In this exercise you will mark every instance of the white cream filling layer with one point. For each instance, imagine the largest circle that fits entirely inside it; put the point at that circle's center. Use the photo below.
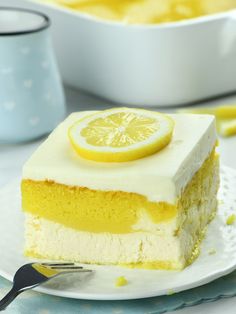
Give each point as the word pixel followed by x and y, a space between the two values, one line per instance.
pixel 160 177
pixel 54 241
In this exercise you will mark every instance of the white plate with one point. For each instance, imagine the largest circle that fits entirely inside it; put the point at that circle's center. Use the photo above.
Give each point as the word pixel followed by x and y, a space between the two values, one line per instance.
pixel 142 283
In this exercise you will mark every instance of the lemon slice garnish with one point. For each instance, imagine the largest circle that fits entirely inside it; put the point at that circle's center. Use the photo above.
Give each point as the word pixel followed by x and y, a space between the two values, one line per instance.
pixel 221 112
pixel 225 117
pixel 121 134
pixel 227 127
pixel 226 112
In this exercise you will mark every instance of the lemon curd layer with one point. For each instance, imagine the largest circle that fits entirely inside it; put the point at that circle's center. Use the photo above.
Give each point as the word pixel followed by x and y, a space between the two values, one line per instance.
pixel 146 11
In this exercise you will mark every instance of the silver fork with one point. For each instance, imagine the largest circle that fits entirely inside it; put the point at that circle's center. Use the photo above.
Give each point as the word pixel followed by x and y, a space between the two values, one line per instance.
pixel 33 274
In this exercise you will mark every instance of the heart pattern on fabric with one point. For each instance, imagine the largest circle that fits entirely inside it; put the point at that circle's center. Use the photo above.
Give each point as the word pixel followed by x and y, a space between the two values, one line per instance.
pixel 25 50
pixel 45 64
pixel 33 121
pixel 9 105
pixel 28 83
pixel 7 70
pixel 48 96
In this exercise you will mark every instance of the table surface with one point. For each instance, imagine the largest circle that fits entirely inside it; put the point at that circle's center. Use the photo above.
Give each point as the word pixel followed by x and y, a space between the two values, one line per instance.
pixel 12 157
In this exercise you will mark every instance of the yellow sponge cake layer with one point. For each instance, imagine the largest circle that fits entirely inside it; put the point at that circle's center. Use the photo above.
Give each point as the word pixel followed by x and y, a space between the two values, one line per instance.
pixel 90 210
pixel 100 211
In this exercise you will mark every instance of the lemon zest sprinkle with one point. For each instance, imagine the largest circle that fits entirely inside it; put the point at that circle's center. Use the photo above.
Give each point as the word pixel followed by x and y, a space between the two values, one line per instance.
pixel 212 252
pixel 170 292
pixel 231 219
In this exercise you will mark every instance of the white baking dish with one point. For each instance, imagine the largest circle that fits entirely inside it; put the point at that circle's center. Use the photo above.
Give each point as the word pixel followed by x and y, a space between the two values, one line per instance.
pixel 155 65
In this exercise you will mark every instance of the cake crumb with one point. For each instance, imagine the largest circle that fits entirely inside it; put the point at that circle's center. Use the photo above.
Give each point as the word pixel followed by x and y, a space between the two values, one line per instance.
pixel 170 292
pixel 231 219
pixel 121 281
pixel 212 252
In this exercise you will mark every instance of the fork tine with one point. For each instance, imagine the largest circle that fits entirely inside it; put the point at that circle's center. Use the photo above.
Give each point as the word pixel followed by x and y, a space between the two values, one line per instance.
pixel 66 267
pixel 58 264
pixel 71 270
pixel 81 270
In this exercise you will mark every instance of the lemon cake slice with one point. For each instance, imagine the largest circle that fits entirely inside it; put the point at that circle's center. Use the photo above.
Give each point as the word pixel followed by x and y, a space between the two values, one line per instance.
pixel 149 212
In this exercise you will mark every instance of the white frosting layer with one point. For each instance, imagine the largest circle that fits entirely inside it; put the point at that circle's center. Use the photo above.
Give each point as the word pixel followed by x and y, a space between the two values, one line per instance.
pixel 160 177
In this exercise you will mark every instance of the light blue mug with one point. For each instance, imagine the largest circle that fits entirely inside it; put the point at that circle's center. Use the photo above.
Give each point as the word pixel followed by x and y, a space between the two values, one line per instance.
pixel 31 94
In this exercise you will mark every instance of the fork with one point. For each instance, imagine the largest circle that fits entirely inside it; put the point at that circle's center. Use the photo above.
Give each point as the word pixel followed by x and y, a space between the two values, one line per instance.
pixel 31 275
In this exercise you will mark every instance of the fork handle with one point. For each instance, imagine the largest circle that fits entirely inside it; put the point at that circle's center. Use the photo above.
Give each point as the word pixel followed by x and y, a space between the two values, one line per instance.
pixel 11 295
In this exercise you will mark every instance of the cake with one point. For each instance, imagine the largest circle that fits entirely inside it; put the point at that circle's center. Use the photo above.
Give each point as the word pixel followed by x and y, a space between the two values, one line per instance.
pixel 151 212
